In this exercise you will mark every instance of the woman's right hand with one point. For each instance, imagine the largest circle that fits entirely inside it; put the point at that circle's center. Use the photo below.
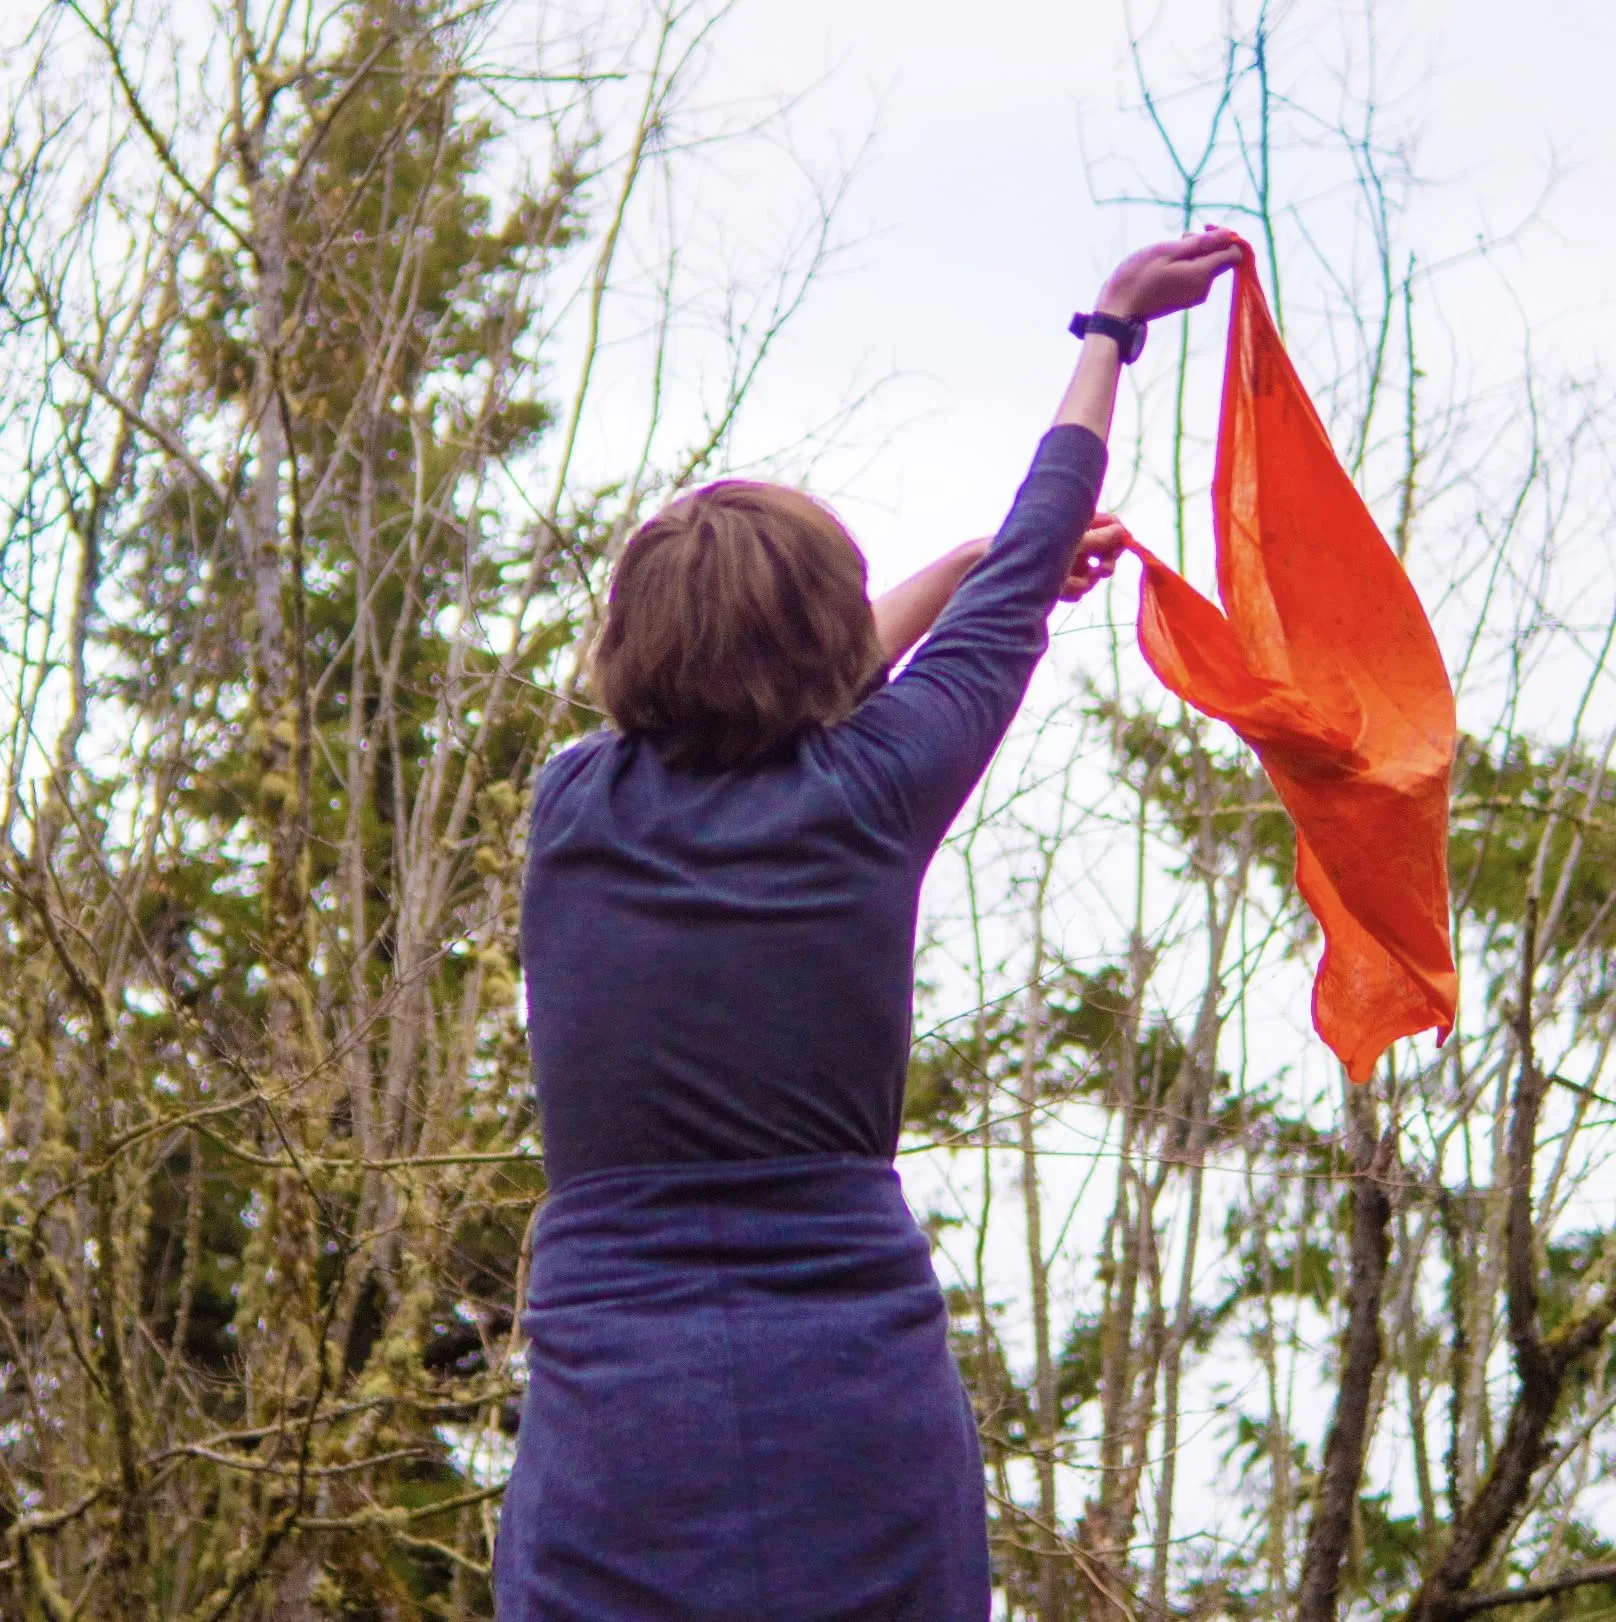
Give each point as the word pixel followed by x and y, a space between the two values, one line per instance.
pixel 1169 276
pixel 1096 556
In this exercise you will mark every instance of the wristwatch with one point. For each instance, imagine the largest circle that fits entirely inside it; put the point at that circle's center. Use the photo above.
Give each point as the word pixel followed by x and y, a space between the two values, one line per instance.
pixel 1129 334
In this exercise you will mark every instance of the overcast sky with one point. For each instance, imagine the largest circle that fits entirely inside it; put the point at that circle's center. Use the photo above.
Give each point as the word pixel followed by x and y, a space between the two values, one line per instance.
pixel 980 235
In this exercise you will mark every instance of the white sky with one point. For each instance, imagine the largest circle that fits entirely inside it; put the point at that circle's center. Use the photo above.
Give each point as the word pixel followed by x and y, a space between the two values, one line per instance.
pixel 985 237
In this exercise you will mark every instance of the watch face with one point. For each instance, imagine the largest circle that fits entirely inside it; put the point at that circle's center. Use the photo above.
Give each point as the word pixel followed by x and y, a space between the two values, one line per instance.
pixel 1136 343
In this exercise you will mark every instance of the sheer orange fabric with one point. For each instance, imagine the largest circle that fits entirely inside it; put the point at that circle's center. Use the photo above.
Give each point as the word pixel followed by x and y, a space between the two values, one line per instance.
pixel 1324 662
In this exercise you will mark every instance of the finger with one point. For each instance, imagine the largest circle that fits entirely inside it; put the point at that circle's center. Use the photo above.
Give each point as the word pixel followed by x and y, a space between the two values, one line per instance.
pixel 1214 240
pixel 1083 580
pixel 1105 544
pixel 1206 272
pixel 1213 265
pixel 1074 590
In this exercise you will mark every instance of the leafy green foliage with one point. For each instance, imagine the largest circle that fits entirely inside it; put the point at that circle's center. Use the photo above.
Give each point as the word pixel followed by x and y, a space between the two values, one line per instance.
pixel 322 643
pixel 1202 782
pixel 1082 1018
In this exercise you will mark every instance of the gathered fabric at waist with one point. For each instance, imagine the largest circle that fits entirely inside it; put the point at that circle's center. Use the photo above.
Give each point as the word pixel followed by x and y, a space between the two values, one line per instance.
pixel 723 1231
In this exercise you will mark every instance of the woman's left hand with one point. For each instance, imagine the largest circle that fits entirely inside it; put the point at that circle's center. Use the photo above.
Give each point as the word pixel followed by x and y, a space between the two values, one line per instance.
pixel 1096 556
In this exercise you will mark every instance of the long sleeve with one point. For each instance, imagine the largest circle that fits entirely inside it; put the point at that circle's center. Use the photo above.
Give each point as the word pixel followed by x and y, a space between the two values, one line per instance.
pixel 914 751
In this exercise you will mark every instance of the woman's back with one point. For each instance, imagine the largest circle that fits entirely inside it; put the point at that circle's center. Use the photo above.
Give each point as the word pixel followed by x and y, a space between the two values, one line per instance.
pixel 720 964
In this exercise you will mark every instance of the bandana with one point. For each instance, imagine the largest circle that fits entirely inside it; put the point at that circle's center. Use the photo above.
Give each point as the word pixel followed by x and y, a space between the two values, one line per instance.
pixel 1323 661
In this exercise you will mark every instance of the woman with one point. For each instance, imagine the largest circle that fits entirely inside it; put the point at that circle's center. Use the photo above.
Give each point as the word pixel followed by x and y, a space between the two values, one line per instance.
pixel 741 1401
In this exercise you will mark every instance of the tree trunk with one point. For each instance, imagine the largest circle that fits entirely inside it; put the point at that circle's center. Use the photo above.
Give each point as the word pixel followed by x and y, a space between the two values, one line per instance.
pixel 1348 1438
pixel 1542 1363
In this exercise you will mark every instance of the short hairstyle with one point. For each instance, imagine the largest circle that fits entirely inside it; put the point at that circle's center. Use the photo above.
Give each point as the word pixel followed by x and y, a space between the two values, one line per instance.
pixel 737 619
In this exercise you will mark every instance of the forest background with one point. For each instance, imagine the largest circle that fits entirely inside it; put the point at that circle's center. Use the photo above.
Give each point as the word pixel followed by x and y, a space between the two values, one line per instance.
pixel 342 346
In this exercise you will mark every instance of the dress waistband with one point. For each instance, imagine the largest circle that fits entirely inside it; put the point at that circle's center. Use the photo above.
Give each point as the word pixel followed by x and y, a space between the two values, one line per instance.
pixel 663 1179
pixel 791 1225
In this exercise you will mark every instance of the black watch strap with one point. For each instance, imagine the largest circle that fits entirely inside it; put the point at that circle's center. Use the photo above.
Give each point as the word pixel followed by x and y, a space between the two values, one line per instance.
pixel 1129 334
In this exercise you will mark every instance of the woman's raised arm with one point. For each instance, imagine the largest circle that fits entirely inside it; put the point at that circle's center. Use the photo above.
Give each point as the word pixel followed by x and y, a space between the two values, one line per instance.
pixel 1164 277
pixel 916 748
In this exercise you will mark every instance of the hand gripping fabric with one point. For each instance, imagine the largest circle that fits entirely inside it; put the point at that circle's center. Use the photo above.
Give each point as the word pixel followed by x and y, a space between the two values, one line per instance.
pixel 1324 662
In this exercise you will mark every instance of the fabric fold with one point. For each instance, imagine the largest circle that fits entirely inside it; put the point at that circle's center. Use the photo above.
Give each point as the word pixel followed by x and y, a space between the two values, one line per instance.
pixel 1323 661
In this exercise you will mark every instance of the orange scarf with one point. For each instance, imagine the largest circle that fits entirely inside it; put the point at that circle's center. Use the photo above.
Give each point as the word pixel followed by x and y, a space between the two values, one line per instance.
pixel 1324 662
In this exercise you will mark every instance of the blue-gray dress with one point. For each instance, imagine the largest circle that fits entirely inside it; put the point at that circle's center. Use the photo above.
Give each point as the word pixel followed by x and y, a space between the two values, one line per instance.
pixel 741 1401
